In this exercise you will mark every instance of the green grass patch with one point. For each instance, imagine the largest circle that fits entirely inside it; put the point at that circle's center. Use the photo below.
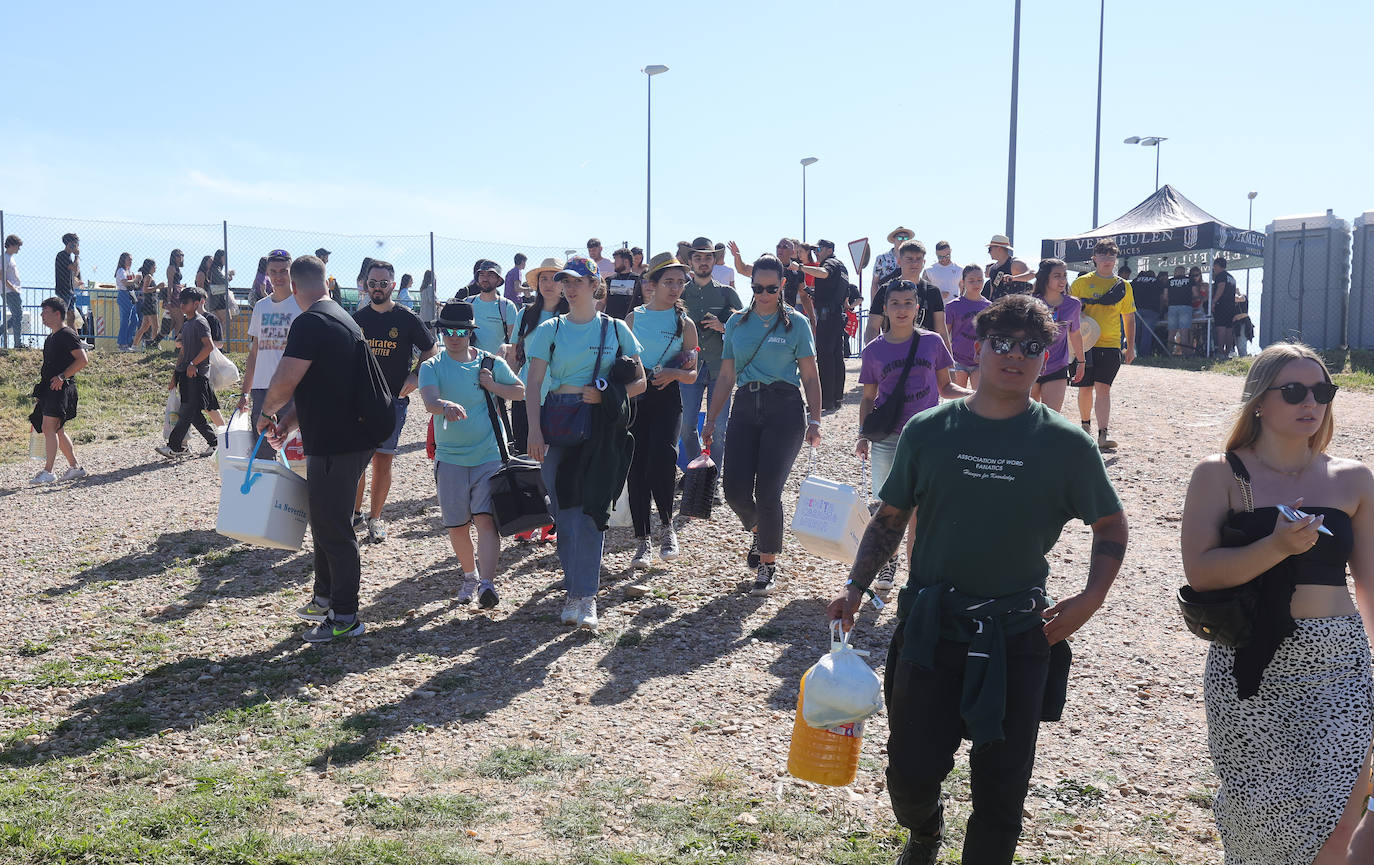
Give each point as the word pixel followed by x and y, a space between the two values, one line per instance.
pixel 1352 369
pixel 507 763
pixel 574 819
pixel 414 812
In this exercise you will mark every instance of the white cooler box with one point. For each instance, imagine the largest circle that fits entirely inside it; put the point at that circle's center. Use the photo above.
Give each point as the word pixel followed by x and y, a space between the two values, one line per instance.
pixel 830 518
pixel 237 440
pixel 274 510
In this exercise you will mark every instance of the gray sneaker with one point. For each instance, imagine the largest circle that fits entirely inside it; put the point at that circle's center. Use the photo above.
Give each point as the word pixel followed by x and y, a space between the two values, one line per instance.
pixel 359 521
pixel 376 530
pixel 468 590
pixel 330 629
pixel 643 556
pixel 767 579
pixel 667 548
pixel 486 595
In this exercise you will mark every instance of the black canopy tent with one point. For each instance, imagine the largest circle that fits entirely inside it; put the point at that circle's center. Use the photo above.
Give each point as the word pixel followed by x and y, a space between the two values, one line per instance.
pixel 1162 232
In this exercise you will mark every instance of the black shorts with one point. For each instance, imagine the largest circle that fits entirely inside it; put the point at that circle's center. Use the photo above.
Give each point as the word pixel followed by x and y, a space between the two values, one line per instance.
pixel 1103 365
pixel 51 403
pixel 1059 375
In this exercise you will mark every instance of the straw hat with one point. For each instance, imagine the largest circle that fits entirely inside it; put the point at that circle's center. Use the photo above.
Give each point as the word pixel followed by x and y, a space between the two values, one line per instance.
pixel 548 265
pixel 662 262
pixel 901 229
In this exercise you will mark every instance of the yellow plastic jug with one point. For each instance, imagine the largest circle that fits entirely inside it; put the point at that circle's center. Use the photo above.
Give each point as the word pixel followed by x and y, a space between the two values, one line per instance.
pixel 828 757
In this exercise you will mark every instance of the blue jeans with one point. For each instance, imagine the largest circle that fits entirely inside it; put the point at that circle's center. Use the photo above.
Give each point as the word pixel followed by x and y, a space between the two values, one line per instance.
pixel 128 319
pixel 579 542
pixel 691 405
pixel 13 316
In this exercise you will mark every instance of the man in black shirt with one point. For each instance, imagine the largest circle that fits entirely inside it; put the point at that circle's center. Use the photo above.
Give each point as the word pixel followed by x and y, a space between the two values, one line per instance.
pixel 1149 306
pixel 622 287
pixel 322 349
pixel 832 284
pixel 911 263
pixel 67 275
pixel 394 334
pixel 1180 297
pixel 64 355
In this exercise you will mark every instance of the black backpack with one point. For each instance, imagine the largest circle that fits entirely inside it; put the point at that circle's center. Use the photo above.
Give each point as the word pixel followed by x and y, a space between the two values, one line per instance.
pixel 372 401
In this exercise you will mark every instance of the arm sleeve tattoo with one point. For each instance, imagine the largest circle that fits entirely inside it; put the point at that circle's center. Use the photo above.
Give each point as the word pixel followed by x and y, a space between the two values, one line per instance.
pixel 1111 549
pixel 879 543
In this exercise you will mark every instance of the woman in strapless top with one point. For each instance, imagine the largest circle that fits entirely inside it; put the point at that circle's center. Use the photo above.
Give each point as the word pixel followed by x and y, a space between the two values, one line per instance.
pixel 1290 715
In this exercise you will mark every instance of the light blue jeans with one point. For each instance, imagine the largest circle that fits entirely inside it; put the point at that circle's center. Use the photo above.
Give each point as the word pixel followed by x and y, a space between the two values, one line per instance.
pixel 691 405
pixel 880 455
pixel 579 542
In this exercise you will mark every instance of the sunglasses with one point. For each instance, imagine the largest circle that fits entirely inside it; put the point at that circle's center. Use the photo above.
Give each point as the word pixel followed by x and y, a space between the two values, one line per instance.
pixel 1003 344
pixel 456 331
pixel 1295 392
pixel 278 255
pixel 378 283
pixel 771 289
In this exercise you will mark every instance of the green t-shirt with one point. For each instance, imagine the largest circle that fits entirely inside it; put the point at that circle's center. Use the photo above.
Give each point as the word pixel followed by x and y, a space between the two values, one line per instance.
pixel 768 353
pixel 714 298
pixel 491 330
pixel 470 441
pixel 570 350
pixel 994 494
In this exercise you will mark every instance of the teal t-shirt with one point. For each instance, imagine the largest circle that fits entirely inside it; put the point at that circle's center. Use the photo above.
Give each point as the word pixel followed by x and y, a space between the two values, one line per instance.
pixel 570 349
pixel 659 333
pixel 491 331
pixel 470 441
pixel 544 315
pixel 777 347
pixel 1022 478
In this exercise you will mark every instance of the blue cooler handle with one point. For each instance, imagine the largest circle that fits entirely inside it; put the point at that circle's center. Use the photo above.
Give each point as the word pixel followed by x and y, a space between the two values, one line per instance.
pixel 248 477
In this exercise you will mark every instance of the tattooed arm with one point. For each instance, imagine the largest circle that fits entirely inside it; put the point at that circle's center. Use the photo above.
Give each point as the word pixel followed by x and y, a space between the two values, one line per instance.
pixel 1109 548
pixel 879 543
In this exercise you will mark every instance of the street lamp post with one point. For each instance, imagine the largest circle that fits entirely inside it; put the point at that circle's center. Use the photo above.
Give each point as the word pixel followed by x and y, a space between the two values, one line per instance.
pixel 1149 141
pixel 1249 226
pixel 1011 148
pixel 1097 138
pixel 649 73
pixel 810 160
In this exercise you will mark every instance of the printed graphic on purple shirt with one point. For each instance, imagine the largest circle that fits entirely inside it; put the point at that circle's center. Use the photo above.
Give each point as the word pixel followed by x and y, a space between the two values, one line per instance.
pixel 882 365
pixel 1067 315
pixel 963 336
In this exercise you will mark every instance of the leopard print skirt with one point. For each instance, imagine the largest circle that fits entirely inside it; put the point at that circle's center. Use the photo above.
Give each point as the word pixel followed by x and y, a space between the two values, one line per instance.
pixel 1289 757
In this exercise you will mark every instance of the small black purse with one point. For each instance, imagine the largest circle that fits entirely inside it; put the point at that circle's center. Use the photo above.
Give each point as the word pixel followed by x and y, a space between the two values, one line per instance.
pixel 1225 616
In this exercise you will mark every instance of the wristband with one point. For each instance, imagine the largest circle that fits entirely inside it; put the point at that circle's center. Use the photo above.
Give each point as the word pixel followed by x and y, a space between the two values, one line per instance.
pixel 872 596
pixel 813 423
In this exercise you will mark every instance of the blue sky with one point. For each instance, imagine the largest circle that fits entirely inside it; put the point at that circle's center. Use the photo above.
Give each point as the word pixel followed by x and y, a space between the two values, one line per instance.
pixel 524 123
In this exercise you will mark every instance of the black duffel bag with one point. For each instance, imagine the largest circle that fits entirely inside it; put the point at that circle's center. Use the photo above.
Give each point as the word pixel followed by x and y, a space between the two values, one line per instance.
pixel 518 497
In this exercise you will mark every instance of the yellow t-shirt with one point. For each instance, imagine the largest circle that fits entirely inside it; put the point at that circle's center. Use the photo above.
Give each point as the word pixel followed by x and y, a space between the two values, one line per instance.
pixel 1107 317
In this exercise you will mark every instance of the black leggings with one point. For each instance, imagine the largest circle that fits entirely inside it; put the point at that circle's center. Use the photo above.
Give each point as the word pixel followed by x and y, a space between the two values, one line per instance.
pixel 653 470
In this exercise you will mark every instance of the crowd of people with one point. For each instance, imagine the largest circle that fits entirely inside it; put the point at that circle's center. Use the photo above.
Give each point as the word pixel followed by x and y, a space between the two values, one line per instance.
pixel 598 369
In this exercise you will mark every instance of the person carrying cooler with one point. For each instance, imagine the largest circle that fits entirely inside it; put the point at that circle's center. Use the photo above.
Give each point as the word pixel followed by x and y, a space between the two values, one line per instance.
pixel 466 453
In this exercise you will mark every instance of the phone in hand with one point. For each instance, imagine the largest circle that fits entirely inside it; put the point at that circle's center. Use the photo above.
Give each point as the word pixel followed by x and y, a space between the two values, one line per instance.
pixel 1293 515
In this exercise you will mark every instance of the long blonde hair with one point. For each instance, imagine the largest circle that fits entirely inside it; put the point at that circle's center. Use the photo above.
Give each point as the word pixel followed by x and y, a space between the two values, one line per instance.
pixel 1262 374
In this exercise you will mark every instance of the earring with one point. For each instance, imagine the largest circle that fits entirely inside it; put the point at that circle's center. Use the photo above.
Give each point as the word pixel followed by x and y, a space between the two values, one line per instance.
pixel 1257 412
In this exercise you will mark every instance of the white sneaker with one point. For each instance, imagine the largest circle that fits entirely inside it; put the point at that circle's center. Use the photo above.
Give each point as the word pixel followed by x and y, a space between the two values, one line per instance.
pixel 643 557
pixel 43 477
pixel 668 549
pixel 586 613
pixel 570 612
pixel 376 530
pixel 468 590
pixel 75 473
pixel 209 451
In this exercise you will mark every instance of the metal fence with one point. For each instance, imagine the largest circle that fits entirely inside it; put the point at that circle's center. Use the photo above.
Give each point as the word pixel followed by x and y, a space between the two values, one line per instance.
pixel 101 243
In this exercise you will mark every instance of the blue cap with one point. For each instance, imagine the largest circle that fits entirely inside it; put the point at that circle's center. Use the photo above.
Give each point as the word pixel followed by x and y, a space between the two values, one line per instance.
pixel 578 265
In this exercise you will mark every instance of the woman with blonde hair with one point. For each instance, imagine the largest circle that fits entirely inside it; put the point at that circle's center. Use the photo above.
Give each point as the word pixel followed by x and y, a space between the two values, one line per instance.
pixel 1291 707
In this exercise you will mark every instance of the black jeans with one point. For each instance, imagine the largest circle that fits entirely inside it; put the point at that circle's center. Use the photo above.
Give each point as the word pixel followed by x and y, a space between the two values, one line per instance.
pixel 194 396
pixel 830 341
pixel 331 482
pixel 767 427
pixel 657 421
pixel 923 717
pixel 519 427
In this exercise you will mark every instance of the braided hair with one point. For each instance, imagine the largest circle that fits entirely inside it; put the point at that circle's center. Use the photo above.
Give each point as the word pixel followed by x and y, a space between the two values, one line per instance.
pixel 771 264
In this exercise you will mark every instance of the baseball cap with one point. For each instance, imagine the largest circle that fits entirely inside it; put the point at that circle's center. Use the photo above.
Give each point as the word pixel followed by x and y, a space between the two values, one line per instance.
pixel 578 265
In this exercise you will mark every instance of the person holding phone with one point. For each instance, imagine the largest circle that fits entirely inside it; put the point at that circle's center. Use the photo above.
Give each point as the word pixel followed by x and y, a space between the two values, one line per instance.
pixel 709 305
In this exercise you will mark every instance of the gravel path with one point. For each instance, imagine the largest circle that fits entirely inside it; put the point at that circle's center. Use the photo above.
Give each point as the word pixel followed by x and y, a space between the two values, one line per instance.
pixel 142 604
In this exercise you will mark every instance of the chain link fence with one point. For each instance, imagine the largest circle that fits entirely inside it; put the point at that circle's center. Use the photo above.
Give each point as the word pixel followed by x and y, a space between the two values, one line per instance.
pixel 102 242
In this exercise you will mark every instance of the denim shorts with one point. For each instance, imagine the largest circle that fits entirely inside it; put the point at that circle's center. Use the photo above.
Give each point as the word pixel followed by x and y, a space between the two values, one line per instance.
pixel 968 368
pixel 390 445
pixel 1180 317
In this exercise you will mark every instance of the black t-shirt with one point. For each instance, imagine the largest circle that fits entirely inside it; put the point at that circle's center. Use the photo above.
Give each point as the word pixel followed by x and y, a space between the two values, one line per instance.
pixel 928 295
pixel 621 290
pixel 216 330
pixel 793 281
pixel 992 290
pixel 328 338
pixel 57 352
pixel 393 336
pixel 1224 302
pixel 830 291
pixel 1148 290
pixel 63 278
pixel 1180 291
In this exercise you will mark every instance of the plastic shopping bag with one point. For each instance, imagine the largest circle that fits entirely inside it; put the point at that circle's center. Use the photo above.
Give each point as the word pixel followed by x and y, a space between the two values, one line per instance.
pixel 840 687
pixel 171 413
pixel 699 483
pixel 620 513
pixel 223 373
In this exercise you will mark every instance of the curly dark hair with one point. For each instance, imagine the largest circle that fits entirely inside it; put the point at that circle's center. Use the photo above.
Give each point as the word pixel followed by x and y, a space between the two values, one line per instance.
pixel 1017 312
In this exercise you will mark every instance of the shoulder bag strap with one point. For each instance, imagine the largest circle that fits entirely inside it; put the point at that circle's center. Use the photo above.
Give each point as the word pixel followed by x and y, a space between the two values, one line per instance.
pixel 900 391
pixel 605 322
pixel 1242 479
pixel 489 363
pixel 758 348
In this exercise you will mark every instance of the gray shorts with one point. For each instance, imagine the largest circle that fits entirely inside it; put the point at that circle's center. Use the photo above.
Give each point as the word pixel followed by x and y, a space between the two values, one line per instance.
pixel 463 491
pixel 970 369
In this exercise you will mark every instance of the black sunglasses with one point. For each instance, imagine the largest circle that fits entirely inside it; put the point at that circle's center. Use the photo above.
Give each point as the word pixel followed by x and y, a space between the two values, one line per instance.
pixel 1295 392
pixel 1003 344
pixel 771 289
pixel 456 331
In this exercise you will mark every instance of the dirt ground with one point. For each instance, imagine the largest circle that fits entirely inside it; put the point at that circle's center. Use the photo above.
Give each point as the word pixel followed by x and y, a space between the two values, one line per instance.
pixel 692 685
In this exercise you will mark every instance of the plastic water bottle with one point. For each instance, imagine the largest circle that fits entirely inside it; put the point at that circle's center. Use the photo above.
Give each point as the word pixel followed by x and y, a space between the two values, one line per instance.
pixel 828 757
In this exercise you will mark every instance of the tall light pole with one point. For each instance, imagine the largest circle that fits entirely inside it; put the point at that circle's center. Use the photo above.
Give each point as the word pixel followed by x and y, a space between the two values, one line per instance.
pixel 1249 226
pixel 1011 149
pixel 810 160
pixel 1149 141
pixel 1097 139
pixel 649 73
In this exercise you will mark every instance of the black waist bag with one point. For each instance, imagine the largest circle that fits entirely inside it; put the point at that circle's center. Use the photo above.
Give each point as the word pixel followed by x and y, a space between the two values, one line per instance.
pixel 519 500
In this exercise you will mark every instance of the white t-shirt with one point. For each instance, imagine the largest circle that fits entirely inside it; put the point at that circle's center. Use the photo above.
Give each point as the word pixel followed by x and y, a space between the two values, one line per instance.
pixel 122 279
pixel 946 278
pixel 11 275
pixel 605 267
pixel 724 274
pixel 269 325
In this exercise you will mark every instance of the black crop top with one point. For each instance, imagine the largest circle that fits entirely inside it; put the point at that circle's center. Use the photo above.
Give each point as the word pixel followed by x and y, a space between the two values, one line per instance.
pixel 1322 565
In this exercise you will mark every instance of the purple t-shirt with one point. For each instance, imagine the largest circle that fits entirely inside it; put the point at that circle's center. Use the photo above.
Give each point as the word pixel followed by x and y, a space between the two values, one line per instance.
pixel 882 365
pixel 963 336
pixel 1068 315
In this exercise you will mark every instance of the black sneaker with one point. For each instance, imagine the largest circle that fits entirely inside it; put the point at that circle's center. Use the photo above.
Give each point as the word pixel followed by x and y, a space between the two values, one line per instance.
pixel 767 579
pixel 921 852
pixel 486 595
pixel 358 520
pixel 752 559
